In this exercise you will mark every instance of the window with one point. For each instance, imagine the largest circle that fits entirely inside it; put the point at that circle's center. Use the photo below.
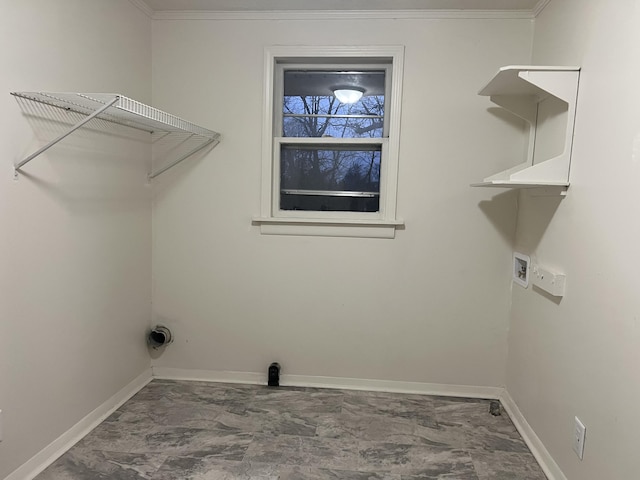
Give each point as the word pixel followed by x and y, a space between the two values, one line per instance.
pixel 330 153
pixel 322 175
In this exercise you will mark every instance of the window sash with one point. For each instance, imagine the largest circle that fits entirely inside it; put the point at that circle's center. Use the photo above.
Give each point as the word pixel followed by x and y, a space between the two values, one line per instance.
pixel 319 142
pixel 320 115
pixel 278 99
pixel 329 193
pixel 331 143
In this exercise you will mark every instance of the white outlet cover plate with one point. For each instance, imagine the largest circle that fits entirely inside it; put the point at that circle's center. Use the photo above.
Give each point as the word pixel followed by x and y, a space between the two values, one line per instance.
pixel 579 432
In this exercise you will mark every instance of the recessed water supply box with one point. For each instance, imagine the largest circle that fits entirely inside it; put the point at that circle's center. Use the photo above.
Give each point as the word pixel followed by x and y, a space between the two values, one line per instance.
pixel 521 263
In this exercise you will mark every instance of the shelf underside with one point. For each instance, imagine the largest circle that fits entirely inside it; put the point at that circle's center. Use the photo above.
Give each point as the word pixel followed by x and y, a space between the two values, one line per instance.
pixel 174 138
pixel 515 184
pixel 508 81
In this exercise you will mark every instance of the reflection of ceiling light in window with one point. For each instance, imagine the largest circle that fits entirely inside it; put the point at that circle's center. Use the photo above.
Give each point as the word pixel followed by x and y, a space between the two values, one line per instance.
pixel 348 95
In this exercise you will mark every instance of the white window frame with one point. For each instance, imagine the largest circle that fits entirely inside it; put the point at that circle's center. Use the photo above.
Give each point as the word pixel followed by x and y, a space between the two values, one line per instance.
pixel 381 224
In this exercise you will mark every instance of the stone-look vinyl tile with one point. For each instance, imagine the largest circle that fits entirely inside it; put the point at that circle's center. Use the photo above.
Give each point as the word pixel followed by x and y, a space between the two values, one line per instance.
pixel 290 424
pixel 440 476
pixel 171 413
pixel 470 425
pixel 470 438
pixel 203 393
pixel 194 442
pixel 178 441
pixel 303 451
pixel 228 395
pixel 145 406
pixel 314 473
pixel 282 392
pixel 116 437
pixel 189 468
pixel 419 461
pixel 375 428
pixel 506 466
pixel 471 413
pixel 259 421
pixel 301 401
pixel 114 417
pixel 81 464
pixel 169 389
pixel 418 408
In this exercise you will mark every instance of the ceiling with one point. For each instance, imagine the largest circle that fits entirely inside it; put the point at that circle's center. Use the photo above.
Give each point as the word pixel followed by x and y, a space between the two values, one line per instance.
pixel 336 5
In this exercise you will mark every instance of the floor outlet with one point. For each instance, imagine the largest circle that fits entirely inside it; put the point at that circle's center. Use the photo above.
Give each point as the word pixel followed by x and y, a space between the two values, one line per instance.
pixel 579 431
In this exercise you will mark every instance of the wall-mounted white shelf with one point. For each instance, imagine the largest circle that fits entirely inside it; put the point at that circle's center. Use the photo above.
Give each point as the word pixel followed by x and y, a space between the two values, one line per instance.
pixel 523 90
pixel 122 110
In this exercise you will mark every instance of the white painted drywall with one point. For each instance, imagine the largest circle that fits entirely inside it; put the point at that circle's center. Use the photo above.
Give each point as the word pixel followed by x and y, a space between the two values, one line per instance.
pixel 75 229
pixel 580 356
pixel 430 305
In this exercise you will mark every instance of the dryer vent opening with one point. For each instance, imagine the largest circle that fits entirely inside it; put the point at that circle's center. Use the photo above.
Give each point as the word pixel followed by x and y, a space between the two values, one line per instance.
pixel 160 336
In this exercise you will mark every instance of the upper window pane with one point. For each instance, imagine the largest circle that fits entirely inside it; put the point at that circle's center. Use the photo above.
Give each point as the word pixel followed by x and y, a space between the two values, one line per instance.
pixel 310 108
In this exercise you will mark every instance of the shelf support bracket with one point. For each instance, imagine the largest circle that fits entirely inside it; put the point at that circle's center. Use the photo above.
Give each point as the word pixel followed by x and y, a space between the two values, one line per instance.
pixel 21 164
pixel 152 175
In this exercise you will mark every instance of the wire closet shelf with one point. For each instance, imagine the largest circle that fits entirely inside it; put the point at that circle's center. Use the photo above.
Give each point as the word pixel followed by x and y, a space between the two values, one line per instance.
pixel 116 108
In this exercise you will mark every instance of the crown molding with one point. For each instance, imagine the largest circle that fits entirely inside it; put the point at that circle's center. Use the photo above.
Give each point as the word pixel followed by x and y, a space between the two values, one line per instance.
pixel 143 7
pixel 344 14
pixel 537 10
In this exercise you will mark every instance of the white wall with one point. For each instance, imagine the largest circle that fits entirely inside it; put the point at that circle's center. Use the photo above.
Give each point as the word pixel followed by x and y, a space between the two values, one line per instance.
pixel 75 259
pixel 580 356
pixel 429 306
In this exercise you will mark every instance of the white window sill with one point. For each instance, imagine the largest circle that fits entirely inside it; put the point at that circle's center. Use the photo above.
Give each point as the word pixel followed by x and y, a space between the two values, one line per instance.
pixel 334 227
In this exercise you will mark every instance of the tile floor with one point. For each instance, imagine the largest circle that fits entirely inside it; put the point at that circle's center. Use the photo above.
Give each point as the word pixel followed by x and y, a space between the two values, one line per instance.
pixel 205 431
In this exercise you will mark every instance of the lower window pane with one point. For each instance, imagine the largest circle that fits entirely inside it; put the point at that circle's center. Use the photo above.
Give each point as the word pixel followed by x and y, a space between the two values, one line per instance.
pixel 316 178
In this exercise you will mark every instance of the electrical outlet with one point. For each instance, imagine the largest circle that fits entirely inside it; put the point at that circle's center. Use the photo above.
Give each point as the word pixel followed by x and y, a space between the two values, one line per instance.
pixel 579 431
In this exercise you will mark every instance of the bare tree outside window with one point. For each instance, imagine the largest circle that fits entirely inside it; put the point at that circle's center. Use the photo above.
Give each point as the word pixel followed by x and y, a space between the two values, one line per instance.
pixel 331 177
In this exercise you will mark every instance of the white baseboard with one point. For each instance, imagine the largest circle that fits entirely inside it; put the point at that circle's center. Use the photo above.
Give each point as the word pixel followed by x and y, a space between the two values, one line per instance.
pixel 167 373
pixel 68 439
pixel 542 455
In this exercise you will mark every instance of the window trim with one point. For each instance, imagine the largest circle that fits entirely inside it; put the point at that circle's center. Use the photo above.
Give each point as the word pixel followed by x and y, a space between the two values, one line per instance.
pixel 380 224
